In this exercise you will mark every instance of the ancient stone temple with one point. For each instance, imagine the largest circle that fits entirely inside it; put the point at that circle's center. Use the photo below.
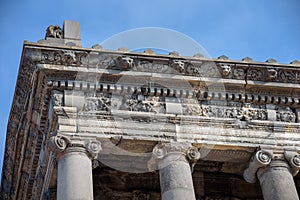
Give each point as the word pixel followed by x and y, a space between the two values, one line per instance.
pixel 92 123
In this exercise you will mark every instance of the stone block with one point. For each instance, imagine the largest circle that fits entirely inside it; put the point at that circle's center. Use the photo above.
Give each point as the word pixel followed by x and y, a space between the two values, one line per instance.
pixel 271 112
pixel 74 99
pixel 173 106
pixel 71 30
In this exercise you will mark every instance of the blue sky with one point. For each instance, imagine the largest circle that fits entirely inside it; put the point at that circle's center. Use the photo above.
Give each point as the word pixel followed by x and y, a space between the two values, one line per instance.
pixel 260 29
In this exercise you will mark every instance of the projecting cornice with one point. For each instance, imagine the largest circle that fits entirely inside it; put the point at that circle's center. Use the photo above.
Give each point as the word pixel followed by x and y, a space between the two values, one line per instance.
pixel 97 59
pixel 250 99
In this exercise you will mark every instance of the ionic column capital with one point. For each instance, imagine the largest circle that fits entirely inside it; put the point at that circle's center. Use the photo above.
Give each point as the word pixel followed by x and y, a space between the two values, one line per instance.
pixel 293 158
pixel 261 158
pixel 264 159
pixel 165 153
pixel 59 144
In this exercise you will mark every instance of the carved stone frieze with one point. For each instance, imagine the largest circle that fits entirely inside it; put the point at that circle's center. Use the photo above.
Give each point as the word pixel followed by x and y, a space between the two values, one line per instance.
pixel 286 115
pixel 238 73
pixel 271 74
pixel 209 69
pixel 193 69
pixel 147 66
pixel 57 98
pixel 64 57
pixel 243 113
pixel 255 74
pixel 102 60
pixel 178 65
pixel 143 104
pixel 217 68
pixel 101 103
pixel 288 75
pixel 225 69
pixel 124 62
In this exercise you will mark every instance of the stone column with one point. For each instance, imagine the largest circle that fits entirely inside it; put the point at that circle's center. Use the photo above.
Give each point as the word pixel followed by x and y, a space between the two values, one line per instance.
pixel 275 174
pixel 175 171
pixel 74 178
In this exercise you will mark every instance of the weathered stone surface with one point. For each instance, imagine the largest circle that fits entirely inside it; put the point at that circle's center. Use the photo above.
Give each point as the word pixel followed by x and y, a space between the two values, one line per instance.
pixel 74 178
pixel 277 183
pixel 71 30
pixel 126 102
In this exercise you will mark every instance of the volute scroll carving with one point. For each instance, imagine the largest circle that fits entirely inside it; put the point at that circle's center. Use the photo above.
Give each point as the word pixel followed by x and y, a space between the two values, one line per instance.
pixel 93 147
pixel 262 158
pixel 60 144
pixel 170 152
pixel 293 159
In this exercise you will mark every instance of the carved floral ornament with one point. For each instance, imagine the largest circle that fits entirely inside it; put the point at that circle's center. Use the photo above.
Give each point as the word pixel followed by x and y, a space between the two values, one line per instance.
pixel 105 102
pixel 141 103
pixel 199 68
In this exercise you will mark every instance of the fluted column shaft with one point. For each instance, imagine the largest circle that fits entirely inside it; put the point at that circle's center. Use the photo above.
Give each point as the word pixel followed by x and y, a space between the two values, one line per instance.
pixel 175 172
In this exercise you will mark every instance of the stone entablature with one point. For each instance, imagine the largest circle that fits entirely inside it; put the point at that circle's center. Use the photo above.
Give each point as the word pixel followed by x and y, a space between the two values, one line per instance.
pixel 96 59
pixel 71 100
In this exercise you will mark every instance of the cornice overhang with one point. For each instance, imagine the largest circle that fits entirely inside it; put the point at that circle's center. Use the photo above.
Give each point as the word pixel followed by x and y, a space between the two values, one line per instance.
pixel 45 68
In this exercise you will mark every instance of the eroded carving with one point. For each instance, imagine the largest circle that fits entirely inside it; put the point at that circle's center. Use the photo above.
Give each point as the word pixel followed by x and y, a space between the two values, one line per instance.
pixel 58 143
pixel 57 98
pixel 255 74
pixel 239 73
pixel 287 75
pixel 225 69
pixel 193 154
pixel 178 65
pixel 262 158
pixel 101 103
pixel 93 147
pixel 140 195
pixel 272 73
pixel 193 70
pixel 293 159
pixel 209 69
pixel 163 149
pixel 286 115
pixel 147 66
pixel 54 32
pixel 124 62
pixel 199 68
pixel 69 57
pixel 143 104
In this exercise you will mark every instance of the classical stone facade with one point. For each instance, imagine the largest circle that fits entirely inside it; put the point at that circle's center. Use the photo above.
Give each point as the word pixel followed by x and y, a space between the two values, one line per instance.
pixel 90 123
